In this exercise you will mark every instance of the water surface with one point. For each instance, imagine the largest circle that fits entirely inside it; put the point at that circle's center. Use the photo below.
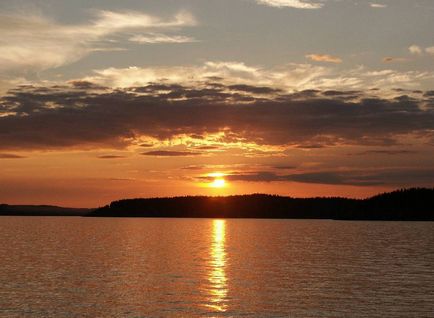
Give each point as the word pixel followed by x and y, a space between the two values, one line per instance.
pixel 83 267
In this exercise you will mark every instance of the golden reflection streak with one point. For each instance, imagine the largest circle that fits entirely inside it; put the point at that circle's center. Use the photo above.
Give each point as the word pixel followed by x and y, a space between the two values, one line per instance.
pixel 217 275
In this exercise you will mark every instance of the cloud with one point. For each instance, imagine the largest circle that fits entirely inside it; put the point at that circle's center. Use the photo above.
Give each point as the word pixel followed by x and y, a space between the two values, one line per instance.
pixel 394 177
pixel 111 157
pixel 66 117
pixel 391 59
pixel 289 77
pixel 166 153
pixel 254 89
pixel 324 58
pixel 10 156
pixel 24 35
pixel 109 21
pixel 298 4
pixel 378 5
pixel 233 73
pixel 157 38
pixel 208 147
pixel 414 49
pixel 430 50
pixel 86 85
pixel 388 152
pixel 285 167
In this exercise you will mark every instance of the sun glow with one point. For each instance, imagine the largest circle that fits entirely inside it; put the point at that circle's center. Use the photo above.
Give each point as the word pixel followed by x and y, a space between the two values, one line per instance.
pixel 218 183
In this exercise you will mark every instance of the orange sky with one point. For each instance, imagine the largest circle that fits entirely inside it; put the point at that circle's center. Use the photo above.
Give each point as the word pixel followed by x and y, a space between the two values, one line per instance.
pixel 103 100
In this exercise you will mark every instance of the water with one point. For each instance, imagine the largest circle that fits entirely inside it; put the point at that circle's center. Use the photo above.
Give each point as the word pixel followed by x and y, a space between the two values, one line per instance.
pixel 81 267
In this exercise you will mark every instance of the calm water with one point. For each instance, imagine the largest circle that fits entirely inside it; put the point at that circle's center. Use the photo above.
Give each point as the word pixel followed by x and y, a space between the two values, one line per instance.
pixel 79 267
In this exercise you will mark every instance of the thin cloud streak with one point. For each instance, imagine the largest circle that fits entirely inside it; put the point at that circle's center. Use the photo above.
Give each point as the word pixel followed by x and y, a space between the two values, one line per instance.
pixel 354 178
pixel 168 153
pixel 324 58
pixel 289 77
pixel 10 156
pixel 63 44
pixel 158 38
pixel 298 4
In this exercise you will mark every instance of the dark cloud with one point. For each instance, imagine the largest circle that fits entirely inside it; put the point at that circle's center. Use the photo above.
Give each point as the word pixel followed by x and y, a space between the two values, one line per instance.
pixel 207 147
pixel 86 85
pixel 193 167
pixel 254 89
pixel 165 153
pixel 401 177
pixel 340 93
pixel 146 145
pixel 157 87
pixel 285 167
pixel 111 157
pixel 215 78
pixel 10 156
pixel 305 94
pixel 387 152
pixel 312 145
pixel 55 117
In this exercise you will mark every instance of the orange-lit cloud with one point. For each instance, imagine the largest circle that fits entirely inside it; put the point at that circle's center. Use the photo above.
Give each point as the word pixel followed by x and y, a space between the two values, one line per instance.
pixel 10 156
pixel 324 58
pixel 167 153
pixel 51 117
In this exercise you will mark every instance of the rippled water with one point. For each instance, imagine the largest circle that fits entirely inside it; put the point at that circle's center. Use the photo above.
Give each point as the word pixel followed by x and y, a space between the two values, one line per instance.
pixel 81 267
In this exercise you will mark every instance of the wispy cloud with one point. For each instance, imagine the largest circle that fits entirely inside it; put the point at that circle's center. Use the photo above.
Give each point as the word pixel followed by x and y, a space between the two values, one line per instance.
pixel 169 153
pixel 155 38
pixel 290 77
pixel 378 5
pixel 23 35
pixel 324 58
pixel 298 4
pixel 111 157
pixel 391 59
pixel 386 152
pixel 352 177
pixel 10 156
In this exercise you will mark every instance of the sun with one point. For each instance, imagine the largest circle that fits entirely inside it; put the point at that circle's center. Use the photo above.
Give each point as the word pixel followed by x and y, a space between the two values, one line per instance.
pixel 218 183
pixel 218 180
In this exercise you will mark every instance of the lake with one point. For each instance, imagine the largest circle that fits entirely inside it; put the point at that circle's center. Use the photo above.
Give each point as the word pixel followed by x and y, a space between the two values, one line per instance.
pixel 107 267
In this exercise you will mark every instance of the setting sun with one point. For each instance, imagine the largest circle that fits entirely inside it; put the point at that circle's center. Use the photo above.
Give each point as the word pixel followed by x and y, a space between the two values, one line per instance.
pixel 218 183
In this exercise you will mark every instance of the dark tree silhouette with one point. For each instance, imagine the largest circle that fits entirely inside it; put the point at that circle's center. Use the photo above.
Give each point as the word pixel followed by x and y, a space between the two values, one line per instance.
pixel 407 204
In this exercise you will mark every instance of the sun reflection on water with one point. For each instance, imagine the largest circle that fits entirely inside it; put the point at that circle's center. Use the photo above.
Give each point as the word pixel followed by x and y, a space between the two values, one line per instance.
pixel 217 274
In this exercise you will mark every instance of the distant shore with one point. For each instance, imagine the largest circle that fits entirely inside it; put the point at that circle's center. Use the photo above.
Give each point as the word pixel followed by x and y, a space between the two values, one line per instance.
pixel 41 210
pixel 416 204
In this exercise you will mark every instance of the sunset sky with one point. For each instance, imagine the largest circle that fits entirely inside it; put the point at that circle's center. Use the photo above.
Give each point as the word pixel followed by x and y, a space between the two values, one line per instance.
pixel 102 100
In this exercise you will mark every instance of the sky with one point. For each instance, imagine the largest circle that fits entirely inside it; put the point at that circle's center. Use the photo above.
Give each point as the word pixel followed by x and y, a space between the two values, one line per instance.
pixel 102 100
